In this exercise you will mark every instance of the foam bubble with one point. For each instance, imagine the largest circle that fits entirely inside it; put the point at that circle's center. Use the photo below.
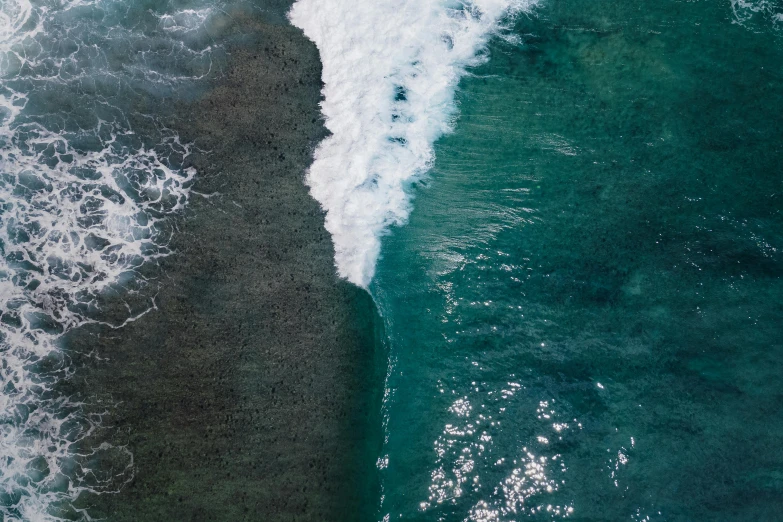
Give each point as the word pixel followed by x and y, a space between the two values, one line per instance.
pixel 390 70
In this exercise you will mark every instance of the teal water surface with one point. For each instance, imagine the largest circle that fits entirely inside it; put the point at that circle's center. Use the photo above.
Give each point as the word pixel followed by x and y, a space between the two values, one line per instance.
pixel 584 310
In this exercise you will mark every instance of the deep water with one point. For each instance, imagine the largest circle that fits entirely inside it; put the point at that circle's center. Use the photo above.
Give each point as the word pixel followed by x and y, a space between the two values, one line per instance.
pixel 584 309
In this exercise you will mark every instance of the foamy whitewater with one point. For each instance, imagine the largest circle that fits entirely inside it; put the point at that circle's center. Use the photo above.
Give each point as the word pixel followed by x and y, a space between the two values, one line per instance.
pixel 84 202
pixel 758 14
pixel 390 70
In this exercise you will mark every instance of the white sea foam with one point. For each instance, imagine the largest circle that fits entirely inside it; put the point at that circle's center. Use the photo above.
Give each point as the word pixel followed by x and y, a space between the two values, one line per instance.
pixel 390 69
pixel 757 15
pixel 84 202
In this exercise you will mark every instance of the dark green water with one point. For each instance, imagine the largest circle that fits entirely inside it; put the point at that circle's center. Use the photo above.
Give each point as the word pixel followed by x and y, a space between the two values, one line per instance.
pixel 584 311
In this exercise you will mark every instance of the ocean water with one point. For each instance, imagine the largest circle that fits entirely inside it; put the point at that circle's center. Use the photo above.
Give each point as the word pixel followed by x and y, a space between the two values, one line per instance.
pixel 580 282
pixel 89 177
pixel 584 306
pixel 567 212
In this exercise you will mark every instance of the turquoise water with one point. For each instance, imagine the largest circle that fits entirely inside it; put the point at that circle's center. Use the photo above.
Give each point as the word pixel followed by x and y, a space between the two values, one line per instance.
pixel 584 309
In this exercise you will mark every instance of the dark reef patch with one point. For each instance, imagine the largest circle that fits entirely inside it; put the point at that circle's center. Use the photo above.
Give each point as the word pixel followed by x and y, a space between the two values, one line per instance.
pixel 252 391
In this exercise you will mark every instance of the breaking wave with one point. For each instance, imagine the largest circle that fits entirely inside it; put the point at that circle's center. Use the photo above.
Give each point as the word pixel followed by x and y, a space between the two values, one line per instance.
pixel 390 70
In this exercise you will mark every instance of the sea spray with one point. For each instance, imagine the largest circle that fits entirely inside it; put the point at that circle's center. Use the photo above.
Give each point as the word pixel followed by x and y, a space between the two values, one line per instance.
pixel 390 71
pixel 85 201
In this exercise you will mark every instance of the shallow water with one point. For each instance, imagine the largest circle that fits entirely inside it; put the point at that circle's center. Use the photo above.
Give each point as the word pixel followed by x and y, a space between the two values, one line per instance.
pixel 175 342
pixel 584 308
pixel 89 176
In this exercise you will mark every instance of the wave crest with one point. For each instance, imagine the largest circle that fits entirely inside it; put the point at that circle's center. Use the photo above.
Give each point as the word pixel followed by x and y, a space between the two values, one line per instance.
pixel 390 71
